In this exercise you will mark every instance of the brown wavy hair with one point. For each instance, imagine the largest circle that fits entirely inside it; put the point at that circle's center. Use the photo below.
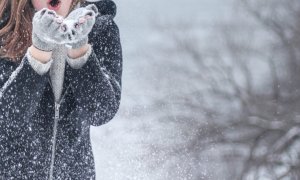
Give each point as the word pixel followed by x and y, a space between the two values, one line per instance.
pixel 15 33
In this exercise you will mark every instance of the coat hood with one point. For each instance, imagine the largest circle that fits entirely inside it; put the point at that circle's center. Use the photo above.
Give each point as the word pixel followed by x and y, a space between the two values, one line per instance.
pixel 105 7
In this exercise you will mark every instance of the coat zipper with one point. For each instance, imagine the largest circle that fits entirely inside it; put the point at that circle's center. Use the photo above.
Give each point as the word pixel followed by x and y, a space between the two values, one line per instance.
pixel 57 105
pixel 56 118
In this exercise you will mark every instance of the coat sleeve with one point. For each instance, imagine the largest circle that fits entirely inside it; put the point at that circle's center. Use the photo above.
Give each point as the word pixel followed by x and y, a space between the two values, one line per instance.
pixel 21 89
pixel 39 67
pixel 97 84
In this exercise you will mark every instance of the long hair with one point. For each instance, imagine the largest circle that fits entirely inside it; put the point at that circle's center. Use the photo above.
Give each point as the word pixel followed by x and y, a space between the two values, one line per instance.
pixel 15 33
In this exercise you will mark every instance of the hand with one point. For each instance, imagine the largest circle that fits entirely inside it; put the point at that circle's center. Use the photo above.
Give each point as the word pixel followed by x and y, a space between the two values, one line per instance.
pixel 47 30
pixel 79 24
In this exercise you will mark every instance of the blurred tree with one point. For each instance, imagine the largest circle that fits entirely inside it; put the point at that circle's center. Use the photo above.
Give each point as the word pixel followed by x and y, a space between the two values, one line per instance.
pixel 238 90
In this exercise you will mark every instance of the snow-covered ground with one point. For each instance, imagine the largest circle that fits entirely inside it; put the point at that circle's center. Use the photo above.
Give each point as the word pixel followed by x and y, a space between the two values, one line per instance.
pixel 135 144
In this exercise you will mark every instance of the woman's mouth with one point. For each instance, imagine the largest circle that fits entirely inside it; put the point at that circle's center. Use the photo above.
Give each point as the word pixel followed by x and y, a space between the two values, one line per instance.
pixel 54 4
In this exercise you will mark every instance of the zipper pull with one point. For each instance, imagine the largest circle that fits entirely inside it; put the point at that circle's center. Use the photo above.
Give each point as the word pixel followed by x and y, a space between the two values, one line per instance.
pixel 57 105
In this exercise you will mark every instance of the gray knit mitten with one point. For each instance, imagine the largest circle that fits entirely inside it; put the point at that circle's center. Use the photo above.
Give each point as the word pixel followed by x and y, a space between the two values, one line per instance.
pixel 79 24
pixel 47 30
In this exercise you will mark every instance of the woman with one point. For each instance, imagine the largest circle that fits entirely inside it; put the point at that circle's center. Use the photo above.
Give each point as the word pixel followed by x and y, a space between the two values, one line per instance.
pixel 60 73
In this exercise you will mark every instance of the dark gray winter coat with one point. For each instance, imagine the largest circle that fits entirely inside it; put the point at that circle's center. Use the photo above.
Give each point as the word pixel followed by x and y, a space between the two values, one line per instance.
pixel 91 96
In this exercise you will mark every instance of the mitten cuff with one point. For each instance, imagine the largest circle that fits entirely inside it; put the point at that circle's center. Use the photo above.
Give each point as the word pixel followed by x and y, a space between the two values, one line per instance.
pixel 39 44
pixel 39 67
pixel 78 63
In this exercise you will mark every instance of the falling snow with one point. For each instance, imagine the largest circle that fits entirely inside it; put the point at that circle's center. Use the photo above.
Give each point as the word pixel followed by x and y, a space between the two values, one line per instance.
pixel 44 135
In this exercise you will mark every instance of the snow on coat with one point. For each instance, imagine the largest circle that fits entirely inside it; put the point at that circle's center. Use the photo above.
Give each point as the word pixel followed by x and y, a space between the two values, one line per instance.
pixel 90 96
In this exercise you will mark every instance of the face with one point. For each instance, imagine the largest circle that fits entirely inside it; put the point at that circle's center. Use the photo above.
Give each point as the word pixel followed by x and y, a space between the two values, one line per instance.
pixel 61 7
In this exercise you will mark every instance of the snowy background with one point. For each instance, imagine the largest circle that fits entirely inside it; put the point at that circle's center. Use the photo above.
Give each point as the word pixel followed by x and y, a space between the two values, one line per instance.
pixel 194 75
pixel 123 147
